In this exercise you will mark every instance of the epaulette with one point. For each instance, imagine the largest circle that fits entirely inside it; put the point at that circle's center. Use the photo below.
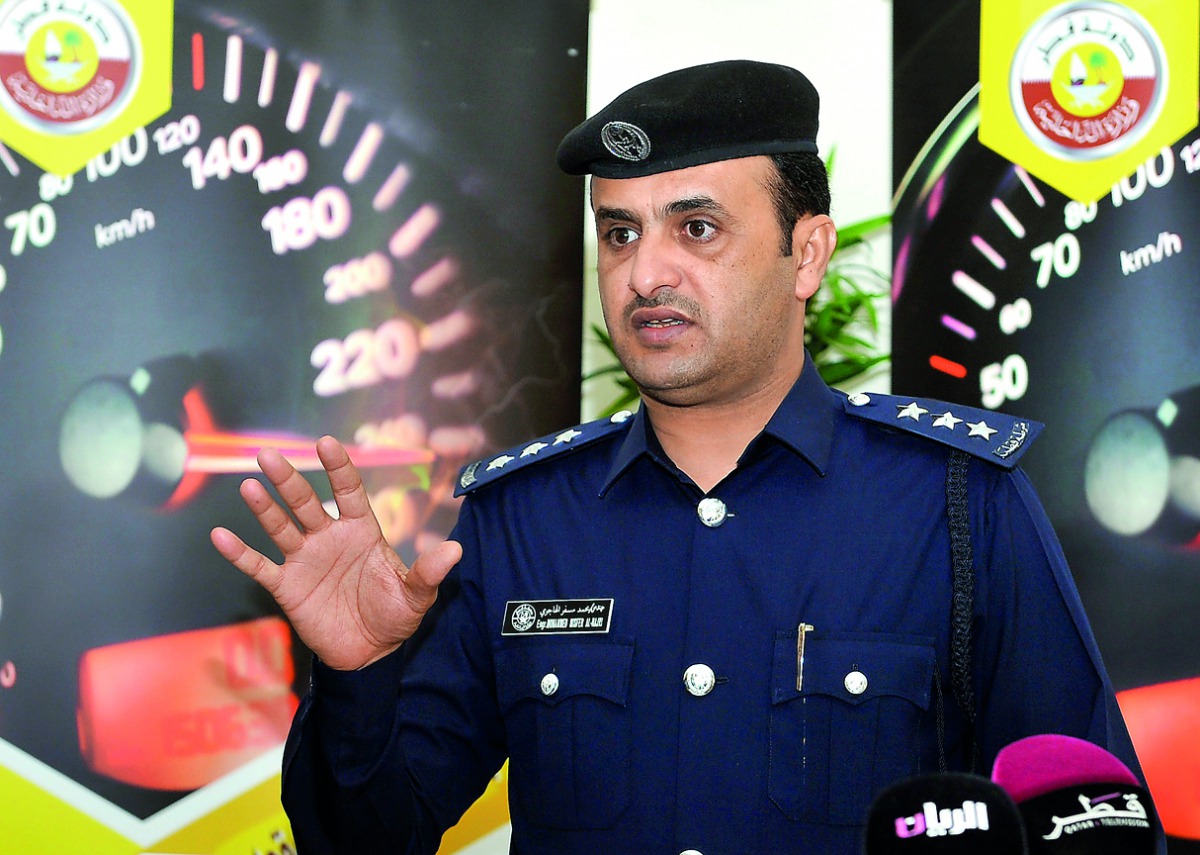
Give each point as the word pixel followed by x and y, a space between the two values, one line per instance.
pixel 986 434
pixel 492 468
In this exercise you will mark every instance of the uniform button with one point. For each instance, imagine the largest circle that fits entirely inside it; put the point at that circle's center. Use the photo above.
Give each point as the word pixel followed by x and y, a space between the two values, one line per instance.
pixel 549 684
pixel 856 682
pixel 859 399
pixel 699 680
pixel 712 512
pixel 691 852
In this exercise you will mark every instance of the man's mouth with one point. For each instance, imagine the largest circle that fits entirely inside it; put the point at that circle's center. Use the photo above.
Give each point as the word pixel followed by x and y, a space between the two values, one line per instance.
pixel 657 324
pixel 663 323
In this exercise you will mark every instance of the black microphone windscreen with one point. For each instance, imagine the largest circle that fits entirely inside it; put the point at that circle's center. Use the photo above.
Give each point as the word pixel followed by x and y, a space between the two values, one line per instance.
pixel 1089 819
pixel 943 814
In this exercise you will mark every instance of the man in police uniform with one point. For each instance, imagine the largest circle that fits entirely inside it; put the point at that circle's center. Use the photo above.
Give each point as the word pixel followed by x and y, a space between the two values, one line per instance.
pixel 721 624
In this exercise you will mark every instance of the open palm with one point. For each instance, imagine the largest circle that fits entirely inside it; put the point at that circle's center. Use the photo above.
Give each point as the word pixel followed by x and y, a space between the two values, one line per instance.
pixel 347 594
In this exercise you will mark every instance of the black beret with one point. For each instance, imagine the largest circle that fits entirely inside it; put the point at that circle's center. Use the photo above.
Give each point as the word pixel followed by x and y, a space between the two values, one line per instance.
pixel 718 111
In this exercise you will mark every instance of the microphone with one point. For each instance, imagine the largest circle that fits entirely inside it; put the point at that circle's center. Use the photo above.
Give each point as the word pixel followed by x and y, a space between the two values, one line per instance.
pixel 943 814
pixel 1075 798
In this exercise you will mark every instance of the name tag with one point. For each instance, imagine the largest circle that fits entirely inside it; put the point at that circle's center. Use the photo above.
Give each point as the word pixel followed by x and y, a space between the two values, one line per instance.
pixel 556 617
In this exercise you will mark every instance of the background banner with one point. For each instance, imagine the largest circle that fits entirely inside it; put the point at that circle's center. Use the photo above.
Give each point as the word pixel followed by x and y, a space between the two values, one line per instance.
pixel 1007 294
pixel 346 223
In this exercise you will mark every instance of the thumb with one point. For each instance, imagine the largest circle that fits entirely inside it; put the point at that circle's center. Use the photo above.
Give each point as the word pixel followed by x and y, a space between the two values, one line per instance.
pixel 431 567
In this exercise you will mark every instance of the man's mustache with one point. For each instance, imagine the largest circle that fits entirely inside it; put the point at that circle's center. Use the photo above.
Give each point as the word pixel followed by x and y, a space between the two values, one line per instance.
pixel 664 301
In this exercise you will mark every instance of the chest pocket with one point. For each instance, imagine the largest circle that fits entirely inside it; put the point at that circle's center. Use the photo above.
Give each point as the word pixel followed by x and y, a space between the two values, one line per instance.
pixel 854 726
pixel 569 730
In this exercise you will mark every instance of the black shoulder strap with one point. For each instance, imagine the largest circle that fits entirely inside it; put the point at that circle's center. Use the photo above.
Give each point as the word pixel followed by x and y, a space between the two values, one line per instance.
pixel 963 605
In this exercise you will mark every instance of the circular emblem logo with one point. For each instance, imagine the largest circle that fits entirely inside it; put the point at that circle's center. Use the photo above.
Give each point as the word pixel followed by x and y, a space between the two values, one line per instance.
pixel 1088 80
pixel 523 617
pixel 626 141
pixel 66 68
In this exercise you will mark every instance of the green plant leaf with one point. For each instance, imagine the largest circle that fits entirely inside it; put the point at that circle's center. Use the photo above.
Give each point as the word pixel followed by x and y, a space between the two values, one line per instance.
pixel 857 232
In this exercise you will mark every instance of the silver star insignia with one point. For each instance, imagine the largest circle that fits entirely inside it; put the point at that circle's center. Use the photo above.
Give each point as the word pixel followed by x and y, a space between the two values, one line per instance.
pixel 500 462
pixel 533 448
pixel 981 429
pixel 566 436
pixel 912 411
pixel 947 420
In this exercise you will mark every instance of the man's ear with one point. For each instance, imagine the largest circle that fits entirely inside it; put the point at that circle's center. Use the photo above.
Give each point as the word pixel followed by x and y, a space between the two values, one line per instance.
pixel 814 238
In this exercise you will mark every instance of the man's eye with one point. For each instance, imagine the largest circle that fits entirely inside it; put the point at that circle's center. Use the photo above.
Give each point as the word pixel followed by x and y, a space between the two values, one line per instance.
pixel 699 230
pixel 622 236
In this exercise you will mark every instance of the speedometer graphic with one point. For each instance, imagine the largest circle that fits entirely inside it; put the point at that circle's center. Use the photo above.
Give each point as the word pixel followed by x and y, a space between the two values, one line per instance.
pixel 1007 295
pixel 300 246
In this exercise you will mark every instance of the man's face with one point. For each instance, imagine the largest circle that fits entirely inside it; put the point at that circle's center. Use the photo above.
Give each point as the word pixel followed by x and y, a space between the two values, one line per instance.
pixel 701 306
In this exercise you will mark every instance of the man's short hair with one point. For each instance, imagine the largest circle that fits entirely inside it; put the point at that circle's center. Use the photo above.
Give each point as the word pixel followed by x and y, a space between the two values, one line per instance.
pixel 799 186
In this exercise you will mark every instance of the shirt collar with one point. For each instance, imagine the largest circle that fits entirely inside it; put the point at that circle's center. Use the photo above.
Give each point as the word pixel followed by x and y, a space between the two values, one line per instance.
pixel 804 422
pixel 806 418
pixel 639 440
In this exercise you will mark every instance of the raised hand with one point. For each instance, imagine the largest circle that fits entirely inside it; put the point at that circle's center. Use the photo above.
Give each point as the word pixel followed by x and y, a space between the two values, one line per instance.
pixel 348 595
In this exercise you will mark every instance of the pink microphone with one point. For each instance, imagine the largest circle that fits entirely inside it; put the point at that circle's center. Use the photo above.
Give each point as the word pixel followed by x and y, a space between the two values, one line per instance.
pixel 1075 798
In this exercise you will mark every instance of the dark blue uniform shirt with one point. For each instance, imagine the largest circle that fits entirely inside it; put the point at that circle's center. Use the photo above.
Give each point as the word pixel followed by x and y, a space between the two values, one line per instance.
pixel 591 585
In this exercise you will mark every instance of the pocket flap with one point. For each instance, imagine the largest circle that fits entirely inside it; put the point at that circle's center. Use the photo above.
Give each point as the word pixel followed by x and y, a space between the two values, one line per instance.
pixel 855 667
pixel 553 671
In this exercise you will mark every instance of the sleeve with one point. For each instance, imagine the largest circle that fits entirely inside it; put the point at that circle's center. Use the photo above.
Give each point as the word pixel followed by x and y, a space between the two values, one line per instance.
pixel 1041 668
pixel 385 759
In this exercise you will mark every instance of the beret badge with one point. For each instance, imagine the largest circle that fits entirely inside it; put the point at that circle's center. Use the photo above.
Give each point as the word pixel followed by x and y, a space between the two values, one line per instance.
pixel 626 141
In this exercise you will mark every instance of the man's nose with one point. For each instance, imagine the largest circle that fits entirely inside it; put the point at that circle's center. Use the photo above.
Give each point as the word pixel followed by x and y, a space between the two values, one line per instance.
pixel 655 264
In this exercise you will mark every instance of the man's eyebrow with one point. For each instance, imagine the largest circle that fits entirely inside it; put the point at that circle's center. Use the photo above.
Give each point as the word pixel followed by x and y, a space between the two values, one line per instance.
pixel 686 205
pixel 692 204
pixel 605 213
